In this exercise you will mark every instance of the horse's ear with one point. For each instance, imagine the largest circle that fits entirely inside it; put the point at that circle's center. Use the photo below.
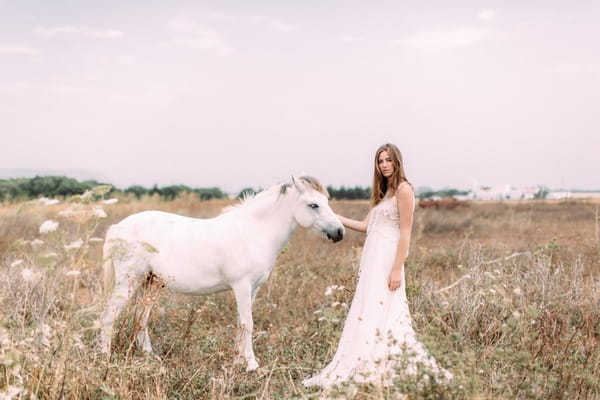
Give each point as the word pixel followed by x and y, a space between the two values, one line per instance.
pixel 298 184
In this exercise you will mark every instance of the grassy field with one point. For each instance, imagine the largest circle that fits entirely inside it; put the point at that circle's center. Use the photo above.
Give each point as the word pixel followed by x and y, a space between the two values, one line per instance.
pixel 505 295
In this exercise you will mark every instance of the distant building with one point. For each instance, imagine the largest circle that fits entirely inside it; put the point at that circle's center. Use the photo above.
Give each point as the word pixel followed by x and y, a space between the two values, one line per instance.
pixel 505 192
pixel 567 194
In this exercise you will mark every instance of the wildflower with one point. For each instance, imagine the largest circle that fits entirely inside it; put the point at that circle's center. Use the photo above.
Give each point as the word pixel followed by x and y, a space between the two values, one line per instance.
pixel 492 291
pixel 48 202
pixel 45 334
pixel 517 291
pixel 37 242
pixel 16 263
pixel 98 212
pixel 335 303
pixel 74 245
pixel 73 273
pixel 330 289
pixel 321 319
pixel 516 314
pixel 96 239
pixel 110 201
pixel 29 275
pixel 445 304
pixel 48 226
pixel 318 312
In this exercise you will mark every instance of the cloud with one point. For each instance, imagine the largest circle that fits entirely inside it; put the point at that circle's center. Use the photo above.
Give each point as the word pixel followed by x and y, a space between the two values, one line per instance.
pixel 269 22
pixel 578 68
pixel 188 34
pixel 273 23
pixel 18 49
pixel 15 87
pixel 350 39
pixel 51 32
pixel 487 15
pixel 445 40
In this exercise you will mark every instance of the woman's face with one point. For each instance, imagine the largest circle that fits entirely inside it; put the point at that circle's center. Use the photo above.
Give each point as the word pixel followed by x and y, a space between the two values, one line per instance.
pixel 385 164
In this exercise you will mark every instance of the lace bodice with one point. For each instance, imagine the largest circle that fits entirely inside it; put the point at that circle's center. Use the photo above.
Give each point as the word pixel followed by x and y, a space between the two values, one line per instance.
pixel 384 218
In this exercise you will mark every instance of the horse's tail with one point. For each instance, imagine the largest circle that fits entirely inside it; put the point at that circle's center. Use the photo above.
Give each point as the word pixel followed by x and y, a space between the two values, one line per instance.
pixel 108 266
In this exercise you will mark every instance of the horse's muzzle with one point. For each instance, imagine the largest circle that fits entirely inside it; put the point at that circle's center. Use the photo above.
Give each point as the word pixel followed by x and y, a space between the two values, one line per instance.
pixel 336 236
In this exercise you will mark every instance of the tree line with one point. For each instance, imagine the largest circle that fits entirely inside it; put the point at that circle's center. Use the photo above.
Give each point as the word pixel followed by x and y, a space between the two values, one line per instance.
pixel 62 186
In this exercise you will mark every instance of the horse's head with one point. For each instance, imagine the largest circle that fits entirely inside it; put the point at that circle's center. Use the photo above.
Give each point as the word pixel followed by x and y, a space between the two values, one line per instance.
pixel 312 210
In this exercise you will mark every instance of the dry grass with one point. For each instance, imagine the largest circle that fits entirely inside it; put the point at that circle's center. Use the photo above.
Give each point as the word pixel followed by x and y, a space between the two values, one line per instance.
pixel 507 296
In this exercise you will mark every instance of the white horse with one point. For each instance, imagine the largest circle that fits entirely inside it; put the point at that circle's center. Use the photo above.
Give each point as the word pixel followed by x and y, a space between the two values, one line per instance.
pixel 235 250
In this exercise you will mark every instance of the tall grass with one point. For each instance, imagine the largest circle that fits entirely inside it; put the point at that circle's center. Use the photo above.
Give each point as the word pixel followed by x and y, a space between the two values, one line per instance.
pixel 506 296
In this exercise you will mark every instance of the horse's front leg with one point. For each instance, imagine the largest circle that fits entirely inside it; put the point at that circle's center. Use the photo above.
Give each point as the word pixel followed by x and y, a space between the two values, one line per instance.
pixel 244 294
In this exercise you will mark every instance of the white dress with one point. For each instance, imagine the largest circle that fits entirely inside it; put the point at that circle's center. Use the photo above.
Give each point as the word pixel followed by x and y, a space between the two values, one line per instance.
pixel 378 342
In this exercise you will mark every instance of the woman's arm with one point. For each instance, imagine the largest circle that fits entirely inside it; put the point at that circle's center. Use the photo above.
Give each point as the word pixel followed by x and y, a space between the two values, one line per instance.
pixel 406 206
pixel 360 226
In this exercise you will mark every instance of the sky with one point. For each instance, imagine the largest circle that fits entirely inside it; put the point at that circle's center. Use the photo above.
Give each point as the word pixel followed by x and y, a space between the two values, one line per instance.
pixel 241 94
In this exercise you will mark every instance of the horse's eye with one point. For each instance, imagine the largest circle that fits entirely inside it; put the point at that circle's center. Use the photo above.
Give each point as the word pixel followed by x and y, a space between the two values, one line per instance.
pixel 314 206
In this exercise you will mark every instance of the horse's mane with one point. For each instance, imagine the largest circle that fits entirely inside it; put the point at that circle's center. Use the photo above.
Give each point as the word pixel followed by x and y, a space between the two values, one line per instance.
pixel 278 190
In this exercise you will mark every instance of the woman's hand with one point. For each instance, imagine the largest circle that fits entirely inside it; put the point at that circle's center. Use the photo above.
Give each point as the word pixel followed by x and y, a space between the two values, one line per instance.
pixel 395 278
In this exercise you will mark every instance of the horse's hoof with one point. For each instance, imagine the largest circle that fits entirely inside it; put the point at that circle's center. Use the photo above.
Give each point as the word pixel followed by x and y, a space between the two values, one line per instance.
pixel 252 366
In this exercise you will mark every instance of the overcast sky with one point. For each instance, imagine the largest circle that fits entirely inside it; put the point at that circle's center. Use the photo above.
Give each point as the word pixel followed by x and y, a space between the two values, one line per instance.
pixel 246 93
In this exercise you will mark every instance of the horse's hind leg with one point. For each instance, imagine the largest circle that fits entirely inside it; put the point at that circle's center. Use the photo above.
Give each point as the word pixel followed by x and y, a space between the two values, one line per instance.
pixel 142 337
pixel 118 300
pixel 147 299
pixel 243 296
pixel 127 277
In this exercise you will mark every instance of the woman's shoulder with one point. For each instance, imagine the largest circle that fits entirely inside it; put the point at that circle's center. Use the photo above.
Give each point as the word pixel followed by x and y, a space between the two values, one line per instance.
pixel 405 188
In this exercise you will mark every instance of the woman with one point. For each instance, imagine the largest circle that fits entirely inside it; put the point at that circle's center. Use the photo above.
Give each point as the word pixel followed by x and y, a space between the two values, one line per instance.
pixel 378 342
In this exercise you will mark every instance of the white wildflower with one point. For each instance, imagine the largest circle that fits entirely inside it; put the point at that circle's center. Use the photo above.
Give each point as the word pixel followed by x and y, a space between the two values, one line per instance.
pixel 48 226
pixel 73 272
pixel 96 240
pixel 29 275
pixel 110 201
pixel 16 263
pixel 329 290
pixel 335 304
pixel 445 304
pixel 318 312
pixel 516 314
pixel 344 305
pixel 74 245
pixel 321 319
pixel 69 212
pixel 98 212
pixel 517 291
pixel 49 254
pixel 48 202
pixel 45 334
pixel 5 342
pixel 37 242
pixel 492 291
pixel 11 392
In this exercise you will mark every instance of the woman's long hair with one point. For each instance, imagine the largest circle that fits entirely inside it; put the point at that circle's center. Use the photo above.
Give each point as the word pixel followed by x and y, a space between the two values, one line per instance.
pixel 382 186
